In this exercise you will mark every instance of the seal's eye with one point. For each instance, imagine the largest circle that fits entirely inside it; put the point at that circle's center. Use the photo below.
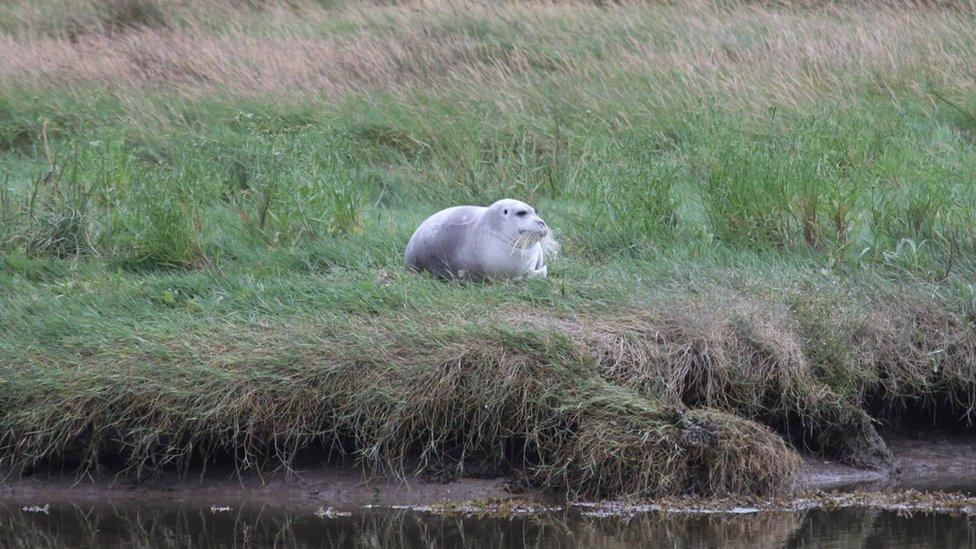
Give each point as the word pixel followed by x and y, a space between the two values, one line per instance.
pixel 522 213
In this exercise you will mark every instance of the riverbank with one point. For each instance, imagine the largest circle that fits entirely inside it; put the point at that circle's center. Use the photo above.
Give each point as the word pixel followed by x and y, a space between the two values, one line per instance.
pixel 677 395
pixel 765 214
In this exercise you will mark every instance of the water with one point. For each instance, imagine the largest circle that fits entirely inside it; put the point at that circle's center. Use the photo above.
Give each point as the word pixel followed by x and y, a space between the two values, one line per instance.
pixel 141 525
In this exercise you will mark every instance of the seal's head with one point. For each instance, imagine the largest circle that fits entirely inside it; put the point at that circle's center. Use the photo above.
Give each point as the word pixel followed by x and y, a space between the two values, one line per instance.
pixel 516 222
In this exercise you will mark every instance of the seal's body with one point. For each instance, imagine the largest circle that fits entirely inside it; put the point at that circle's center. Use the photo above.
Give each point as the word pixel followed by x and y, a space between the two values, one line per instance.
pixel 506 240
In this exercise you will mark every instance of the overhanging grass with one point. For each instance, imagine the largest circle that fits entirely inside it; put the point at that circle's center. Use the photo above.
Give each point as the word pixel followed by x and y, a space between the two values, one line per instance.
pixel 388 398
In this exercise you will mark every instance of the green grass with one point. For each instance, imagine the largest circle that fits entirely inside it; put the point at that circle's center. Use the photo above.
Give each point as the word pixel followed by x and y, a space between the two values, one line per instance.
pixel 192 272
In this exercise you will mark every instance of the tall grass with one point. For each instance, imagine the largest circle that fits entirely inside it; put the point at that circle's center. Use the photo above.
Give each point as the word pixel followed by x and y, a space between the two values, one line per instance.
pixel 825 183
pixel 794 186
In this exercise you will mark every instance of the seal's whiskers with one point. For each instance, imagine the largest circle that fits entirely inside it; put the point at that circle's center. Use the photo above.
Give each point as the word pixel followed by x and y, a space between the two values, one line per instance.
pixel 519 243
pixel 549 246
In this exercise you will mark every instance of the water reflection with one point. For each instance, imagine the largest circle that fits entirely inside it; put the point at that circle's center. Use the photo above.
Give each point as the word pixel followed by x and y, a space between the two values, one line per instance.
pixel 67 525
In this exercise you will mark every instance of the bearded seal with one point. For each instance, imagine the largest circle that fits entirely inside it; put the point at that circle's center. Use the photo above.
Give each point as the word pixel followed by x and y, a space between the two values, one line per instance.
pixel 506 240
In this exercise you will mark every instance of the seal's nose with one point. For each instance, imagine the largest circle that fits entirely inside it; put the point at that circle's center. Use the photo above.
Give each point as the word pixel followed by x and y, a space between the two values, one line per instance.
pixel 543 228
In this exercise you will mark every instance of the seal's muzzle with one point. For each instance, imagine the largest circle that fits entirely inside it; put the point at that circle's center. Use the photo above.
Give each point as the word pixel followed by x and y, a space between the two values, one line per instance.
pixel 540 230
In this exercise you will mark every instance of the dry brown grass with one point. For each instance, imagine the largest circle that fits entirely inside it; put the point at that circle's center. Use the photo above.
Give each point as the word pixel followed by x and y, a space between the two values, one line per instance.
pixel 237 64
pixel 749 53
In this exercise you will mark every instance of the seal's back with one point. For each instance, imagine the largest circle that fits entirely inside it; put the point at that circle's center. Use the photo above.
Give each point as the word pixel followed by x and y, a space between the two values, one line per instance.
pixel 438 244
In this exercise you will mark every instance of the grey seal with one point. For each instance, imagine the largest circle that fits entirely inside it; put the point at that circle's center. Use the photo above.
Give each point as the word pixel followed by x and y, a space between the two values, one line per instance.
pixel 506 240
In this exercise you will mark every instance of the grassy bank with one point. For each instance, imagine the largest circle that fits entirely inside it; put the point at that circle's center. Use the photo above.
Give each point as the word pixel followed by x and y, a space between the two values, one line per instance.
pixel 765 215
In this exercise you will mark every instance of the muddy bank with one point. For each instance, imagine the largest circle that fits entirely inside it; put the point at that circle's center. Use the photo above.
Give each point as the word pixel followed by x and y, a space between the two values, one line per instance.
pixel 340 487
pixel 930 461
pixel 940 462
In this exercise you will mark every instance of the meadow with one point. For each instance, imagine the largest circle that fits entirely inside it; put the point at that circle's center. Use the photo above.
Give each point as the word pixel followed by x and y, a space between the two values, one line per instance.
pixel 765 212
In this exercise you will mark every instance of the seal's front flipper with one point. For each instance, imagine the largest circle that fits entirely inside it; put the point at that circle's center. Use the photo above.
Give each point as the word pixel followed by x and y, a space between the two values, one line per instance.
pixel 540 260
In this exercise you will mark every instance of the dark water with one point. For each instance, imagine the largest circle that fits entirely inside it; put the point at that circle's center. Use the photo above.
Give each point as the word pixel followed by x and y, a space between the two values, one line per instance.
pixel 66 525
